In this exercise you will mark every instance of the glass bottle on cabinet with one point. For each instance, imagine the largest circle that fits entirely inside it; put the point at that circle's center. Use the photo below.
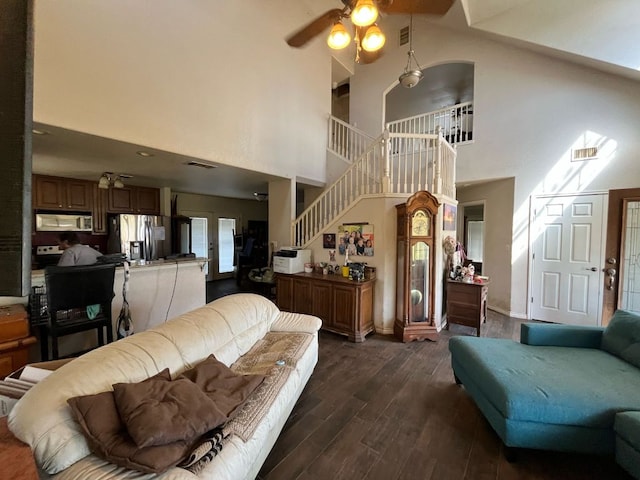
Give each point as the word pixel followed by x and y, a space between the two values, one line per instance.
pixel 415 268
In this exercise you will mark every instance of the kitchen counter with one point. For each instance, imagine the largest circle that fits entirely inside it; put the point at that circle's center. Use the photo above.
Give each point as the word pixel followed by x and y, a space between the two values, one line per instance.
pixel 158 291
pixel 161 263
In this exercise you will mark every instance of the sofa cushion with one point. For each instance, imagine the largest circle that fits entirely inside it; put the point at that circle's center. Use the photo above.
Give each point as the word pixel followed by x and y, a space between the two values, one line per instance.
pixel 627 427
pixel 622 337
pixel 225 388
pixel 108 438
pixel 158 412
pixel 553 385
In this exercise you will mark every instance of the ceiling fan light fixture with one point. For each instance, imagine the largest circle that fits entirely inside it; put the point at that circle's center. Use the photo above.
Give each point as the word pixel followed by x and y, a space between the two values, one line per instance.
pixel 260 196
pixel 365 13
pixel 117 183
pixel 374 39
pixel 338 38
pixel 104 181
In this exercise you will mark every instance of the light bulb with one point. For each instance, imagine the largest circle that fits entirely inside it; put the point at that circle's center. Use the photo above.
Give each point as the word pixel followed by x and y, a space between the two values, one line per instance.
pixel 103 182
pixel 374 39
pixel 117 183
pixel 364 13
pixel 338 38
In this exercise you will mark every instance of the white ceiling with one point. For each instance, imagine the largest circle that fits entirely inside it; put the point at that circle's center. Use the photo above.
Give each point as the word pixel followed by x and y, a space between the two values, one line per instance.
pixel 599 34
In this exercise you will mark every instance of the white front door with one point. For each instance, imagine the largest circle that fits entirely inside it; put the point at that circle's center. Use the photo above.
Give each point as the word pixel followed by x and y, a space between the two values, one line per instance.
pixel 201 237
pixel 567 237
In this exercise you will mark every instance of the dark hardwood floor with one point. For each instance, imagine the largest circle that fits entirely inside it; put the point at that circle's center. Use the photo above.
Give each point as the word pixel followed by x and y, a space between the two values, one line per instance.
pixel 387 410
pixel 220 288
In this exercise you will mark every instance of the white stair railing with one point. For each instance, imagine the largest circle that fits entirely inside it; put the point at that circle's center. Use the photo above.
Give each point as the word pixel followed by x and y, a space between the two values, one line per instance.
pixel 455 122
pixel 346 141
pixel 363 177
pixel 393 163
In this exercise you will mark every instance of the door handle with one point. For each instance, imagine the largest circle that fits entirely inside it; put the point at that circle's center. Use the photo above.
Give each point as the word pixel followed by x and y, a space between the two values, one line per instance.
pixel 611 274
pixel 592 269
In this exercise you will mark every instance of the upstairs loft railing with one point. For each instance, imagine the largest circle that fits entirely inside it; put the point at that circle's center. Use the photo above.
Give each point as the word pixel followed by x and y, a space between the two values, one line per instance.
pixel 346 141
pixel 393 163
pixel 455 123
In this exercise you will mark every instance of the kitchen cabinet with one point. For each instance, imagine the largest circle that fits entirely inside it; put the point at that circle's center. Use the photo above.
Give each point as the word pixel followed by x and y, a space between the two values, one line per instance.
pixel 100 201
pixel 132 199
pixel 57 193
pixel 344 306
pixel 467 304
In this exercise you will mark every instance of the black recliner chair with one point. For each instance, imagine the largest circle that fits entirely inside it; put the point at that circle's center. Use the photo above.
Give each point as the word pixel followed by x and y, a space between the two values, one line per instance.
pixel 70 290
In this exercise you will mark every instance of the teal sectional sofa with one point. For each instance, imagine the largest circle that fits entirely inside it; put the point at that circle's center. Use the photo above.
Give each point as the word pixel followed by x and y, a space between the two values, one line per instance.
pixel 564 388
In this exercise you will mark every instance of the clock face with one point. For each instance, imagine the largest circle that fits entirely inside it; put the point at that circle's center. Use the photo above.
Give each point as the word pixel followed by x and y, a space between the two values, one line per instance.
pixel 420 224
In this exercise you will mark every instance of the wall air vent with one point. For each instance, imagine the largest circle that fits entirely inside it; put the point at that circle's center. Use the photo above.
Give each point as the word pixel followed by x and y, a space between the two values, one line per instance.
pixel 201 164
pixel 404 35
pixel 587 153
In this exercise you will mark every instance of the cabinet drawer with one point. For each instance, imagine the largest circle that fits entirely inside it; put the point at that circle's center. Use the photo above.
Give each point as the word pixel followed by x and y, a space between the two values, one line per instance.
pixel 463 314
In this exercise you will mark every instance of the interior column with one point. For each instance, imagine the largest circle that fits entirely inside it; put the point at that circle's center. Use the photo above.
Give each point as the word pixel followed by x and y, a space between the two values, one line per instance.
pixel 16 113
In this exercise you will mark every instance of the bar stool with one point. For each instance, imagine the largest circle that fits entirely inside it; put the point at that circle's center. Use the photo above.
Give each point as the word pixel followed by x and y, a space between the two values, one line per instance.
pixel 70 290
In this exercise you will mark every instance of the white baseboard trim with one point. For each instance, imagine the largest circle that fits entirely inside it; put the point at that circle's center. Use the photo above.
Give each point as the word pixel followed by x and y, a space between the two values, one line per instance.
pixel 508 313
pixel 383 331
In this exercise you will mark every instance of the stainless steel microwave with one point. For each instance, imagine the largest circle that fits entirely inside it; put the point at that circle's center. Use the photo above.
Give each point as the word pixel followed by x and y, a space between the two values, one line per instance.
pixel 57 222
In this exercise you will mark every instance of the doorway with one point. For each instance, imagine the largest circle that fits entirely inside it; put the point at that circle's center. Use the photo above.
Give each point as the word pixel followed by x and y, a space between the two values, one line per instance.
pixel 227 233
pixel 622 254
pixel 567 250
pixel 473 233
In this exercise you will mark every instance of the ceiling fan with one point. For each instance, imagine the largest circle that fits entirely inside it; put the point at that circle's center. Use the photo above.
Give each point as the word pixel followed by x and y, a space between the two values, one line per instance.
pixel 363 13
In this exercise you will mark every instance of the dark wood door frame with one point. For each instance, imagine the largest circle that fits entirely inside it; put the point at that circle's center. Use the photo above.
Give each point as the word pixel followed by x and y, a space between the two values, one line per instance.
pixel 615 219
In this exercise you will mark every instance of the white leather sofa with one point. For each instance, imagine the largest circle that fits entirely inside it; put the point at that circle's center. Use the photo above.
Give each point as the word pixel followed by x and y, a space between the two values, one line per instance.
pixel 227 327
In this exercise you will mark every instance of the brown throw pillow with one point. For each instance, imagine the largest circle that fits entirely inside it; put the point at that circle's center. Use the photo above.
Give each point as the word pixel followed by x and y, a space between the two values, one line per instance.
pixel 228 389
pixel 158 412
pixel 108 438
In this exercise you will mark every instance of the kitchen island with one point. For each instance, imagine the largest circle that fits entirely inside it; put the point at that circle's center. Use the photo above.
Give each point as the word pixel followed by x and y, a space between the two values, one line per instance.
pixel 158 291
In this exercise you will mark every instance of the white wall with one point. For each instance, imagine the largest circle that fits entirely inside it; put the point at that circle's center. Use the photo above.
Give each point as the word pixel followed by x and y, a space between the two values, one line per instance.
pixel 245 210
pixel 529 112
pixel 213 80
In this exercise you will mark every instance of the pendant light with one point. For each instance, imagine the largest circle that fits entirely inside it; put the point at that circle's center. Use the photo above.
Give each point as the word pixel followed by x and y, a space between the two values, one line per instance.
pixel 411 76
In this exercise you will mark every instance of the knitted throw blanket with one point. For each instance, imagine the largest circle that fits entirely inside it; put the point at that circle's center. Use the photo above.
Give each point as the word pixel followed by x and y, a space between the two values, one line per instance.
pixel 275 356
pixel 210 445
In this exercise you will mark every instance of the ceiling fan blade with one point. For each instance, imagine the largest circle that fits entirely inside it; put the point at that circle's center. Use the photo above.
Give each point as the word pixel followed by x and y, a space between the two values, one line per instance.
pixel 417 7
pixel 314 28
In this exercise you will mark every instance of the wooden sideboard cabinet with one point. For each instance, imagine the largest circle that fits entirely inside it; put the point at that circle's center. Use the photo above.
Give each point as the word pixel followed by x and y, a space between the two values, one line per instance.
pixel 345 306
pixel 467 304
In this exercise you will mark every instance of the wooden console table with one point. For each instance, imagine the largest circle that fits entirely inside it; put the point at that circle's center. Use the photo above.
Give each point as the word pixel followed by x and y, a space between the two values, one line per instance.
pixel 344 306
pixel 467 304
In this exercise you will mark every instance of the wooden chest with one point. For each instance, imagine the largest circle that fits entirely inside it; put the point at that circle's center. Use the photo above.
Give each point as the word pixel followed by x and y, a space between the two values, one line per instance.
pixel 467 304
pixel 14 323
pixel 14 354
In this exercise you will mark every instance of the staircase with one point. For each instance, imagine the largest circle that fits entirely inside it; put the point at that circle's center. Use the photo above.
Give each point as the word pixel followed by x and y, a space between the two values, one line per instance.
pixel 398 162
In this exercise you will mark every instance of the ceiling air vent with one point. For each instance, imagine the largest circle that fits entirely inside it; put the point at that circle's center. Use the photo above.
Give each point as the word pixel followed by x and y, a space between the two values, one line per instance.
pixel 404 35
pixel 587 153
pixel 194 163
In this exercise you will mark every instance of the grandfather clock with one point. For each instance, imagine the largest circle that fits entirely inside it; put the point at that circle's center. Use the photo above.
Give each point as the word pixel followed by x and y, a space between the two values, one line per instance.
pixel 415 268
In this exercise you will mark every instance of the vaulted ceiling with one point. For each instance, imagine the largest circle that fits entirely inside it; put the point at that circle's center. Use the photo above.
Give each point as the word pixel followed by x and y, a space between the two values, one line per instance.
pixel 603 35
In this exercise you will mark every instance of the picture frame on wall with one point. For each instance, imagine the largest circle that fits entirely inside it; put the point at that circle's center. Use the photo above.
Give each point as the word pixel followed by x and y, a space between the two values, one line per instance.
pixel 449 217
pixel 329 240
pixel 356 239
